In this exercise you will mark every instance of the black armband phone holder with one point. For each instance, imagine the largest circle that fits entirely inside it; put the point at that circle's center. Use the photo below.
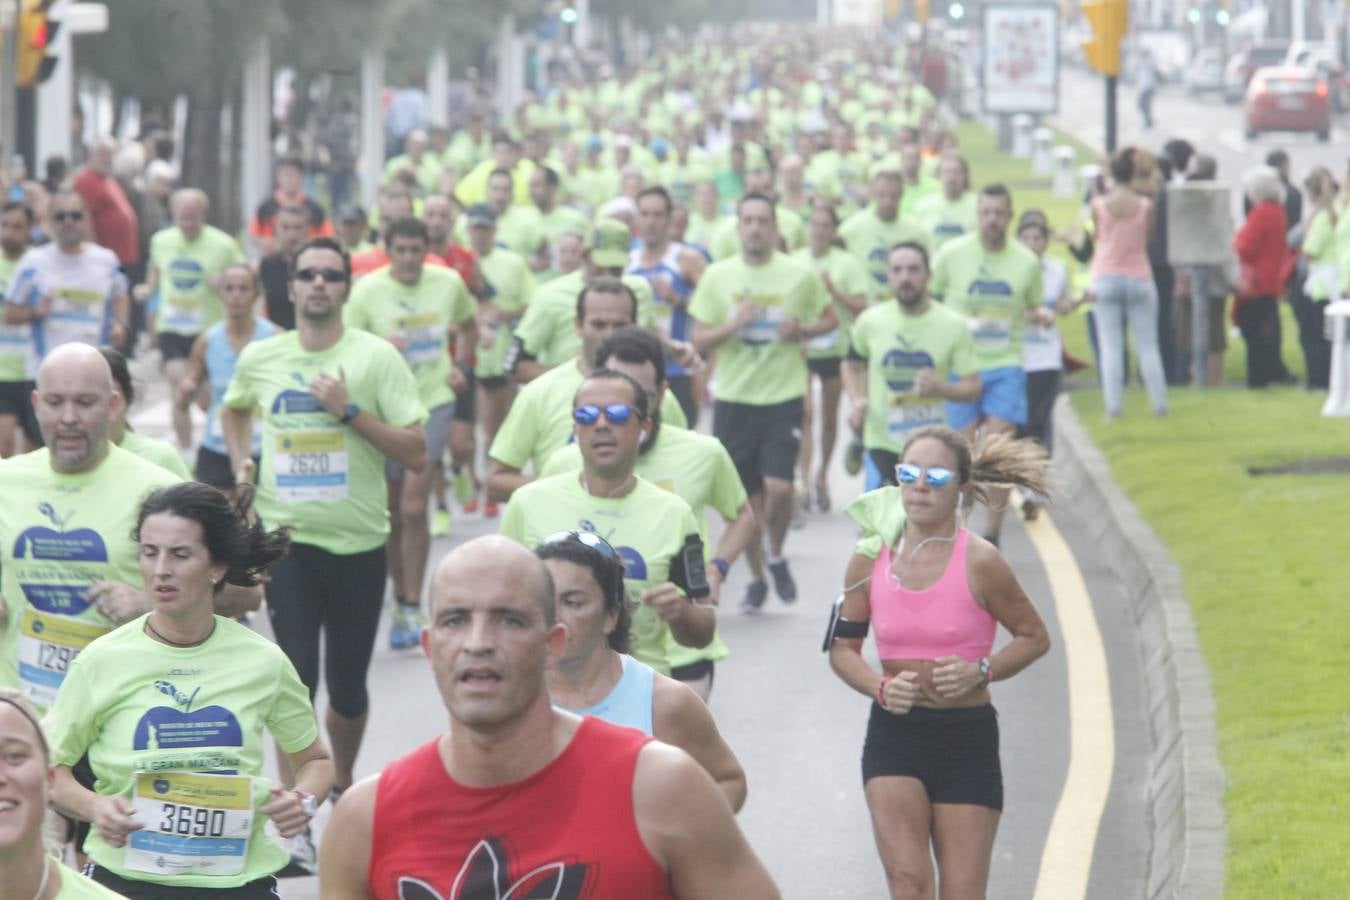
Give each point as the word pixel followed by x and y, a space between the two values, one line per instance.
pixel 843 628
pixel 688 571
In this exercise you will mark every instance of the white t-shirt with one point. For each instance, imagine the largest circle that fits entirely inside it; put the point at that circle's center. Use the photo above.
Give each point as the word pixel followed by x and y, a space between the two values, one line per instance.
pixel 82 287
pixel 1042 345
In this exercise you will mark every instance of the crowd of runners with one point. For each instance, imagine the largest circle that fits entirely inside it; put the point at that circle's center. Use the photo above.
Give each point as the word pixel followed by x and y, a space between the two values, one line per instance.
pixel 772 237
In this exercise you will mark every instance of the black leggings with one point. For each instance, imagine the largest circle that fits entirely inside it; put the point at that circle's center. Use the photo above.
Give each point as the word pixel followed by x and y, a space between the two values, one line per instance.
pixel 312 589
pixel 682 386
pixel 1259 319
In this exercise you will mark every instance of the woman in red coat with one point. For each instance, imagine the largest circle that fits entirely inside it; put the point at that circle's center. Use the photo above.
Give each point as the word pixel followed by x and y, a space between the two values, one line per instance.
pixel 1264 263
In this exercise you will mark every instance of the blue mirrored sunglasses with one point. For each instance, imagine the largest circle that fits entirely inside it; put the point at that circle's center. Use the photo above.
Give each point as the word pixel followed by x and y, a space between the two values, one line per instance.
pixel 936 476
pixel 615 413
pixel 585 538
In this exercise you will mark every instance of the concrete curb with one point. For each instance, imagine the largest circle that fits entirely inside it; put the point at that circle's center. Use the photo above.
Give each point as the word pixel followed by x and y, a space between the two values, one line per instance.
pixel 1186 780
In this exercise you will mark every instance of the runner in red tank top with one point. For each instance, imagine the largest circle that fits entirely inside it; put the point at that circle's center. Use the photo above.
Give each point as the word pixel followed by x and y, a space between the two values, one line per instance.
pixel 518 799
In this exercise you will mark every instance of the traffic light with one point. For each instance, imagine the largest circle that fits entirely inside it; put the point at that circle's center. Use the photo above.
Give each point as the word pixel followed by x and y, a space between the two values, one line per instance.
pixel 921 11
pixel 36 33
pixel 1110 20
pixel 568 15
pixel 956 11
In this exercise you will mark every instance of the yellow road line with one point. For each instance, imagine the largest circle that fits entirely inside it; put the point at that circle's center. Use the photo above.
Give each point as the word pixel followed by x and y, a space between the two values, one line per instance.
pixel 1066 862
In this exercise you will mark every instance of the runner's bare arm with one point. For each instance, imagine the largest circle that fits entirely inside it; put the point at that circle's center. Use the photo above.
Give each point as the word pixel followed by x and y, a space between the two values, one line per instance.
pixel 528 370
pixel 192 379
pixel 992 580
pixel 735 537
pixel 691 623
pixel 828 321
pixel 313 769
pixel 855 379
pixel 344 855
pixel 680 717
pixel 110 815
pixel 236 426
pixel 846 653
pixel 121 318
pixel 687 825
pixel 236 600
pixel 504 480
pixel 708 338
pixel 855 384
pixel 406 446
pixel 465 336
pixel 964 390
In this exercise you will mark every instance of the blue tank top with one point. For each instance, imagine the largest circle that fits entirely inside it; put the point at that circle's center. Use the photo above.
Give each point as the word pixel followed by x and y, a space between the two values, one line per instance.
pixel 675 319
pixel 220 361
pixel 630 703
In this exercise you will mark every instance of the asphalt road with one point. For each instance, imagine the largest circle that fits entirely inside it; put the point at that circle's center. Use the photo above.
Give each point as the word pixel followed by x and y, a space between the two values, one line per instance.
pixel 1207 121
pixel 798 730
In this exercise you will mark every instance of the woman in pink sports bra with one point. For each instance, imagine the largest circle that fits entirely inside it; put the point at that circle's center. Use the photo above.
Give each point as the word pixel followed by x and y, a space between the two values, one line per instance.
pixel 934 595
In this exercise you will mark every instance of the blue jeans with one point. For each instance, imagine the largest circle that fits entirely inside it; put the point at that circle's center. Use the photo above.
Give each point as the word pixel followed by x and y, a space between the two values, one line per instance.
pixel 1122 300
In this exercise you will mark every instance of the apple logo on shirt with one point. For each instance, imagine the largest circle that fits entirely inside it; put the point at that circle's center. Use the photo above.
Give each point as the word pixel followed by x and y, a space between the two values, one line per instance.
pixel 54 564
pixel 295 402
pixel 181 725
pixel 899 366
pixel 877 263
pixel 988 286
pixel 186 274
pixel 634 566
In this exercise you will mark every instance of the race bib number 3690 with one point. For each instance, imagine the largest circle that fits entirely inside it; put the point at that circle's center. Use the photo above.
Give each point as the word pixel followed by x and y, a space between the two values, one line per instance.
pixel 193 824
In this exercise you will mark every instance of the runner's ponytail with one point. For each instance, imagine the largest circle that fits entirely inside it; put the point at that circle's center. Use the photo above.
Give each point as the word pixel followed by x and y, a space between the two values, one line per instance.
pixel 1000 461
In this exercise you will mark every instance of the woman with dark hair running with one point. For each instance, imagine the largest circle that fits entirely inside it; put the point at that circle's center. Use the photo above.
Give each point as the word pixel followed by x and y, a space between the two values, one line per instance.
pixel 597 677
pixel 170 709
pixel 931 770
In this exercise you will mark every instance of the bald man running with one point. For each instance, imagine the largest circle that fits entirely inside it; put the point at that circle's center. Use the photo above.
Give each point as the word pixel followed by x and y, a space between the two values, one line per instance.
pixel 643 819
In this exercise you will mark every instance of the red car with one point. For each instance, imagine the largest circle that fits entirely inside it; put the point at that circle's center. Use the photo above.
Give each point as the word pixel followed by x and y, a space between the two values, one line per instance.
pixel 1285 98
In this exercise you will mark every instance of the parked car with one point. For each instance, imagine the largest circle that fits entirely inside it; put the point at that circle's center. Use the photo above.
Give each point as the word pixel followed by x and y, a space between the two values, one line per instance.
pixel 1287 98
pixel 1238 73
pixel 1205 73
pixel 1323 58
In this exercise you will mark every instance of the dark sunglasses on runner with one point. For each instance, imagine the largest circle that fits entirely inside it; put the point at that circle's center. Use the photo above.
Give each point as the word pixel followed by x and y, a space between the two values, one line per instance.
pixel 332 276
pixel 615 413
pixel 937 476
pixel 73 215
pixel 586 539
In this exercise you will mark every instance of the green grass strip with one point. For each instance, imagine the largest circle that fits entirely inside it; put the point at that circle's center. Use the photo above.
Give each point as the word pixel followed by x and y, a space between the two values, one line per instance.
pixel 1266 566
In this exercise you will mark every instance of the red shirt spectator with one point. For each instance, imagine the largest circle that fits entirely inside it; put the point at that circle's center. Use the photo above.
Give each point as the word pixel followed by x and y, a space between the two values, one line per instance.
pixel 1263 253
pixel 368 261
pixel 465 262
pixel 290 176
pixel 112 219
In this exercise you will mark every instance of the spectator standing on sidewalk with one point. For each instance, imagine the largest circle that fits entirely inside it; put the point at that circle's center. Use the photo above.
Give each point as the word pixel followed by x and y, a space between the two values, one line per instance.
pixel 1145 83
pixel 1264 263
pixel 1164 276
pixel 1122 280
pixel 1217 285
pixel 1323 281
